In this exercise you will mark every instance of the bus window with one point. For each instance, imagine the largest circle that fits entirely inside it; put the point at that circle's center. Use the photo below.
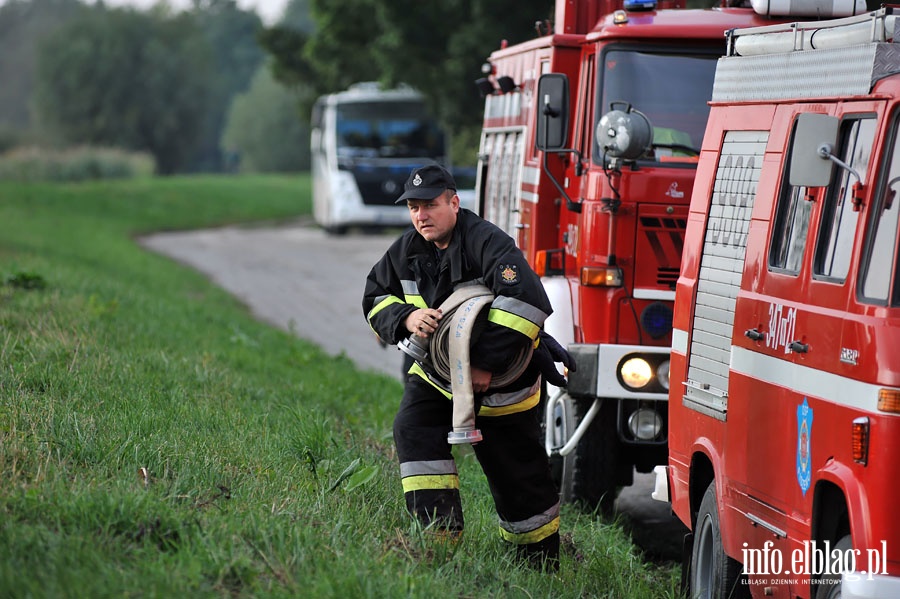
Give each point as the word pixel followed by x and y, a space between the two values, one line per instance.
pixel 395 129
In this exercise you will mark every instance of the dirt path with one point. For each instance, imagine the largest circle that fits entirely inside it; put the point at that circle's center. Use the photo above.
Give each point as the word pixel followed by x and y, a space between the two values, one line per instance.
pixel 294 277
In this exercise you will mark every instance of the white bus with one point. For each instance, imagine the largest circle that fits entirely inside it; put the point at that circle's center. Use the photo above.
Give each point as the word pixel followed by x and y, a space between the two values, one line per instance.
pixel 364 143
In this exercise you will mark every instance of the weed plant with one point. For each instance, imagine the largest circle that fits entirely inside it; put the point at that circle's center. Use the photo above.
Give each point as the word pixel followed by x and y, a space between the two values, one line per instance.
pixel 157 441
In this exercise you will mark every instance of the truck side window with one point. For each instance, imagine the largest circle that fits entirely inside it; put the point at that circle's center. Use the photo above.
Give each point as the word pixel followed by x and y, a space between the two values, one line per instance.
pixel 839 219
pixel 882 234
pixel 790 227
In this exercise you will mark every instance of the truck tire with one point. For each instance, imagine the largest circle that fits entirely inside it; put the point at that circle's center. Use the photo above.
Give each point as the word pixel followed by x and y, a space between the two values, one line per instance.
pixel 829 586
pixel 713 574
pixel 587 476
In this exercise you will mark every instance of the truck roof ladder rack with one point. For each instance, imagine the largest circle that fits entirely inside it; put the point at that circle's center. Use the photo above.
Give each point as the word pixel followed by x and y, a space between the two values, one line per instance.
pixel 797 60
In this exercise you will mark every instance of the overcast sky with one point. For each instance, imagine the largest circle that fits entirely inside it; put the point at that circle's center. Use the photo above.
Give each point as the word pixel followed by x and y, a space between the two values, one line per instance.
pixel 268 10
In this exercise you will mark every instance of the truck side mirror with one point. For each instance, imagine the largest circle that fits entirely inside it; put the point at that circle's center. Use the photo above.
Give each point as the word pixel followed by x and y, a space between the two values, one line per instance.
pixel 809 165
pixel 552 112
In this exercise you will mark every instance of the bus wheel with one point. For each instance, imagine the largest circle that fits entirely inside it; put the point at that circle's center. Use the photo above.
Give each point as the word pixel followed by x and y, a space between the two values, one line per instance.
pixel 829 586
pixel 714 575
pixel 588 474
pixel 336 230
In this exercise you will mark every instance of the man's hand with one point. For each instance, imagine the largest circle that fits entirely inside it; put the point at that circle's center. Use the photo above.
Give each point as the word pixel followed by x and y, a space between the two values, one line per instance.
pixel 423 322
pixel 481 380
pixel 557 351
pixel 548 352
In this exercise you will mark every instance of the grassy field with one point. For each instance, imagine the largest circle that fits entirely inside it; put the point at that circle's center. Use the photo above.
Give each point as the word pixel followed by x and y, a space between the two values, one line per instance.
pixel 156 441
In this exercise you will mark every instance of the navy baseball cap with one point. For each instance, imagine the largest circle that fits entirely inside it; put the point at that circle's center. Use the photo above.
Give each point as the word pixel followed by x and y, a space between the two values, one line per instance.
pixel 427 183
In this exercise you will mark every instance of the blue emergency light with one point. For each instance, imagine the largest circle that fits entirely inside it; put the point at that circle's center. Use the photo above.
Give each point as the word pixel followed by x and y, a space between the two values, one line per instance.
pixel 638 5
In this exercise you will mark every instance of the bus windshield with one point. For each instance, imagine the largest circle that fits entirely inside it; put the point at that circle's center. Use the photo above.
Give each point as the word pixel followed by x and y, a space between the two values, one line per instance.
pixel 671 88
pixel 387 129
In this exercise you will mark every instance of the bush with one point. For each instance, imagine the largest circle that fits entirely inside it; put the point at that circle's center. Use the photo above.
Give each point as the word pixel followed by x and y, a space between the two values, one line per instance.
pixel 265 133
pixel 73 164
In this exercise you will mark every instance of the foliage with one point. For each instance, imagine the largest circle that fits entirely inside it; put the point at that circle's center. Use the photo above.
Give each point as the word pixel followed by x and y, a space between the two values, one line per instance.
pixel 437 48
pixel 156 440
pixel 148 81
pixel 23 25
pixel 73 164
pixel 127 79
pixel 297 16
pixel 231 33
pixel 264 130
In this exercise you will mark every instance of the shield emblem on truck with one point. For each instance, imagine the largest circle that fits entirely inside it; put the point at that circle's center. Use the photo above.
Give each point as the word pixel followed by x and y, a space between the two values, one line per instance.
pixel 804 430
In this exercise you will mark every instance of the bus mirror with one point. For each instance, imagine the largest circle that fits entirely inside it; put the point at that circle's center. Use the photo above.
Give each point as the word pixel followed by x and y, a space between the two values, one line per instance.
pixel 810 166
pixel 552 112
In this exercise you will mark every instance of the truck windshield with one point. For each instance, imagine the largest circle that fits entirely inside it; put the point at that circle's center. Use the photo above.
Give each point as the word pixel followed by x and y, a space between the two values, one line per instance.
pixel 670 87
pixel 387 129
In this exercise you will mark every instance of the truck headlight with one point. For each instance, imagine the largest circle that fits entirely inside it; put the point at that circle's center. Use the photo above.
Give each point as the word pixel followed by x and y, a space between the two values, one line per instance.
pixel 635 372
pixel 662 374
pixel 645 424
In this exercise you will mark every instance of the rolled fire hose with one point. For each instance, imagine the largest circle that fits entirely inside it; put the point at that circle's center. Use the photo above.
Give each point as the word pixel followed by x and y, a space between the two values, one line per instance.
pixel 448 352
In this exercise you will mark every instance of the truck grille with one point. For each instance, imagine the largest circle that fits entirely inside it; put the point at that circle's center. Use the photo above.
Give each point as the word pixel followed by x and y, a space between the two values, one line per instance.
pixel 659 246
pixel 667 277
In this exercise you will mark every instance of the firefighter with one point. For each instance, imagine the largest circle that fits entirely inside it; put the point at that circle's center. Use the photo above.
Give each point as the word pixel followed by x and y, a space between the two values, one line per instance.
pixel 447 248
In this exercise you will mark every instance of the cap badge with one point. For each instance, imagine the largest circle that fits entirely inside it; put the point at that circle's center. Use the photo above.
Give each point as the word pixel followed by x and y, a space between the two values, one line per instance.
pixel 417 180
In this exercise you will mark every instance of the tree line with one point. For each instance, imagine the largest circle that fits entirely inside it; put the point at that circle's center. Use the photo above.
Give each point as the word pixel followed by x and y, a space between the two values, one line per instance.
pixel 211 87
pixel 153 81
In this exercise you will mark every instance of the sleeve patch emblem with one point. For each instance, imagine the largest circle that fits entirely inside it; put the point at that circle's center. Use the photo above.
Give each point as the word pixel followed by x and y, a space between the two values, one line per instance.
pixel 509 274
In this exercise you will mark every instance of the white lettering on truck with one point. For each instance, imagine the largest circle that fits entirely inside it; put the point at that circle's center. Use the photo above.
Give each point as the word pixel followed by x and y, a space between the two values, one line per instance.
pixel 782 323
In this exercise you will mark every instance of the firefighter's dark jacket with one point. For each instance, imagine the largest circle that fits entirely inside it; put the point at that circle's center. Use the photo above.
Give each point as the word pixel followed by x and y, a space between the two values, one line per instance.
pixel 411 275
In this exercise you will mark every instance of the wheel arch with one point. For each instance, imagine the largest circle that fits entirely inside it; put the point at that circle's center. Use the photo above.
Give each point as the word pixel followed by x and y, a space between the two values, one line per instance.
pixel 829 501
pixel 836 490
pixel 702 474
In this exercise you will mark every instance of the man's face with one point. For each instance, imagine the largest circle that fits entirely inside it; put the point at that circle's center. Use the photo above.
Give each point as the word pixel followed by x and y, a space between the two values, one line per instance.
pixel 435 219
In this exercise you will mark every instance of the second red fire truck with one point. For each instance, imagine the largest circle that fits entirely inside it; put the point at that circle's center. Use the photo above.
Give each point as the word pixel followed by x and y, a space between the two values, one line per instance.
pixel 589 150
pixel 784 408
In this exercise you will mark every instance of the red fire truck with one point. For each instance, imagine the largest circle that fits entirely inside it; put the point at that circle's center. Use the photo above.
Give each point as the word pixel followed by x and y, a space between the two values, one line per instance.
pixel 784 405
pixel 588 154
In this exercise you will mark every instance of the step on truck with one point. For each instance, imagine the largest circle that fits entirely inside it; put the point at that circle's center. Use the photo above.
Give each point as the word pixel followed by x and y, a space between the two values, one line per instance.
pixel 784 401
pixel 589 150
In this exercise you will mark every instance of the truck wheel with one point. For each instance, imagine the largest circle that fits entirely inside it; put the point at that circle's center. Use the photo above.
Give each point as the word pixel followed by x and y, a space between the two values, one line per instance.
pixel 713 575
pixel 829 586
pixel 587 476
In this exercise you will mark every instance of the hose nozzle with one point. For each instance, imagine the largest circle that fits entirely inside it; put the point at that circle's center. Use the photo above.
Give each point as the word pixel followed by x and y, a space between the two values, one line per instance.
pixel 458 437
pixel 415 347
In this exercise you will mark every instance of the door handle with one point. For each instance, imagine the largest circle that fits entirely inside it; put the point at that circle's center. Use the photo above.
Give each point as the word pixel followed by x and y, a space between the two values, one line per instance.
pixel 798 347
pixel 755 334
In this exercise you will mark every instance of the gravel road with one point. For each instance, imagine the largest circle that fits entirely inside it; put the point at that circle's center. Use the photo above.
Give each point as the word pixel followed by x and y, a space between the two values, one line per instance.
pixel 295 277
pixel 299 279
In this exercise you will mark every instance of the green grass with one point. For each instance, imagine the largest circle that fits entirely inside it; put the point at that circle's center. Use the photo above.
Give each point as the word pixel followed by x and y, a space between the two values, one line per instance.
pixel 155 440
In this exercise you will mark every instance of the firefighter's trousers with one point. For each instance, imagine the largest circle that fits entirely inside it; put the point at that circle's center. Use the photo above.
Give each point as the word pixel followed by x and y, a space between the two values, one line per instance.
pixel 511 455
